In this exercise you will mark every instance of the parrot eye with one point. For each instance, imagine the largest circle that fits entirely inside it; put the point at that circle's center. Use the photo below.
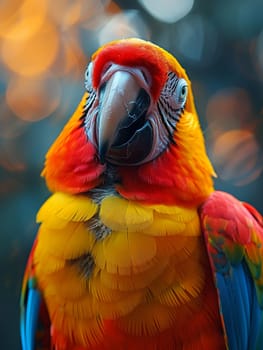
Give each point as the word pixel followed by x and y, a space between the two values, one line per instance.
pixel 175 91
pixel 181 92
pixel 88 76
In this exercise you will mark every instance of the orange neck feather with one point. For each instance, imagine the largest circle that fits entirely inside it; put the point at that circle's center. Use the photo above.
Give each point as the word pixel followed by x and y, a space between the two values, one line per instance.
pixel 71 164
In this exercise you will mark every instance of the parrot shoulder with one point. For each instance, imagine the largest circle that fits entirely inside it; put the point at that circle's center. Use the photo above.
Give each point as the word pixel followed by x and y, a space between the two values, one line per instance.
pixel 233 233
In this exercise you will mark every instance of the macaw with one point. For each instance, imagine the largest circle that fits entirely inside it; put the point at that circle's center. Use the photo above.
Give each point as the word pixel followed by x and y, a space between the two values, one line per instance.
pixel 136 249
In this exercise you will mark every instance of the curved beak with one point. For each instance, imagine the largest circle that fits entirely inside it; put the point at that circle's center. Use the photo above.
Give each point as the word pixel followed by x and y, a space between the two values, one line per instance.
pixel 123 105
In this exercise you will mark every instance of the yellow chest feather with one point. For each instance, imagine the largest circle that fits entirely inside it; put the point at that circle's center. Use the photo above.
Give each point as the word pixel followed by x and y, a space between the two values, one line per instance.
pixel 119 260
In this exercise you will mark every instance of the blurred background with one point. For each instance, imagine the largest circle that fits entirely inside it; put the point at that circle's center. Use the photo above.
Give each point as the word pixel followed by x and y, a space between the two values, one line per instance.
pixel 44 49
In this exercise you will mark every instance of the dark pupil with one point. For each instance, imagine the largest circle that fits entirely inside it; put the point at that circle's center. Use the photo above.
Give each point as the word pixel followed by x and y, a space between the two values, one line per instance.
pixel 183 90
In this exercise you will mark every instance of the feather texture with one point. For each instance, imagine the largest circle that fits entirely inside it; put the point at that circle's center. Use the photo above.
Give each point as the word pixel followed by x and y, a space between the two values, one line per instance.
pixel 234 238
pixel 139 282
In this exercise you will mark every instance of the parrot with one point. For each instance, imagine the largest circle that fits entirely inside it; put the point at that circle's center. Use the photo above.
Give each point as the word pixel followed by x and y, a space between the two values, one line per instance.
pixel 135 248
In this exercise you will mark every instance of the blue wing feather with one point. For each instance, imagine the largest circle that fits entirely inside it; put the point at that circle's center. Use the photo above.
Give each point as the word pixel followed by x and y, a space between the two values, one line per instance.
pixel 241 311
pixel 29 319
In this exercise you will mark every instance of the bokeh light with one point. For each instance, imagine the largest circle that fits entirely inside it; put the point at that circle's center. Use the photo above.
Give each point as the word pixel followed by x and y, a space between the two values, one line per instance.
pixel 236 156
pixel 229 108
pixel 196 40
pixel 123 25
pixel 234 149
pixel 20 19
pixel 168 11
pixel 44 97
pixel 31 55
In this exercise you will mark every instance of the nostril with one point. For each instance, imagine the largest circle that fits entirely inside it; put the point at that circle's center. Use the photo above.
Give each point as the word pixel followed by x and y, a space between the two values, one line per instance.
pixel 145 76
pixel 107 72
pixel 107 67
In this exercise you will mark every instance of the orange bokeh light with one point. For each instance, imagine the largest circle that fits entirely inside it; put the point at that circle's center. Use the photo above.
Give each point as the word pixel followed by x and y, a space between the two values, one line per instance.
pixel 236 156
pixel 42 39
pixel 21 19
pixel 33 55
pixel 229 108
pixel 33 99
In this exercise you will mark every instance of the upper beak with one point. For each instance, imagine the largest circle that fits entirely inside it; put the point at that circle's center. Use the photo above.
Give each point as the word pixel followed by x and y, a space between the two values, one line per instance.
pixel 123 104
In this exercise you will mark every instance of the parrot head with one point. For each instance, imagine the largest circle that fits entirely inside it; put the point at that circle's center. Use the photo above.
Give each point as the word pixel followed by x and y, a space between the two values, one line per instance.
pixel 136 121
pixel 138 105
